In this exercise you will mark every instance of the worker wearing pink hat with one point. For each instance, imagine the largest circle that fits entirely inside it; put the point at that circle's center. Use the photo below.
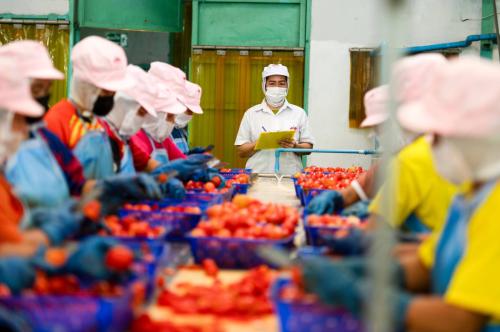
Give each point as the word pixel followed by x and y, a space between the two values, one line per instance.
pixel 154 138
pixel 16 103
pixel 192 97
pixel 460 266
pixel 421 203
pixel 36 64
pixel 131 108
pixel 99 70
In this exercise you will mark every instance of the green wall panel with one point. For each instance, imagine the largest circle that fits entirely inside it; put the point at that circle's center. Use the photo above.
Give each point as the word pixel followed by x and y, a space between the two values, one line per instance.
pixel 147 15
pixel 249 23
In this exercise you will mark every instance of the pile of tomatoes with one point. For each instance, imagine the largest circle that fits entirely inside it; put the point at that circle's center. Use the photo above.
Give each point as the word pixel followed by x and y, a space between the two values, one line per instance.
pixel 245 298
pixel 334 221
pixel 69 285
pixel 131 227
pixel 248 218
pixel 339 179
pixel 188 209
pixel 317 169
pixel 238 179
pixel 209 187
pixel 182 209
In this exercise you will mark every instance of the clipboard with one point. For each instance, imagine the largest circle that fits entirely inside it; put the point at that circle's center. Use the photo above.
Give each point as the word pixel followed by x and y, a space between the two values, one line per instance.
pixel 269 140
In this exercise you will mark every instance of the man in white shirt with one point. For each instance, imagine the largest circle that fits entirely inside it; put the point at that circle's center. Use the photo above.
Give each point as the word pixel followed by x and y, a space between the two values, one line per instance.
pixel 275 113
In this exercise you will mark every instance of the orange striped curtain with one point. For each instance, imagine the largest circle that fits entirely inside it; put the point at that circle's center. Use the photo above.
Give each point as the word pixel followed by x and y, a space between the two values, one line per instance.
pixel 232 83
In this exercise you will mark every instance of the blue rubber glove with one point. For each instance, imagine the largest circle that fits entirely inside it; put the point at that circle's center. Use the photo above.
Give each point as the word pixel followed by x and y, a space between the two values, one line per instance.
pixel 120 189
pixel 184 167
pixel 354 243
pixel 173 188
pixel 358 209
pixel 214 173
pixel 327 202
pixel 58 224
pixel 88 260
pixel 337 286
pixel 17 273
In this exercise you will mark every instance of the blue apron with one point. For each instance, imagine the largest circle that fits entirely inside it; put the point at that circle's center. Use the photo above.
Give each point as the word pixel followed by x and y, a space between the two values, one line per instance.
pixel 94 153
pixel 158 154
pixel 413 225
pixel 35 174
pixel 453 240
pixel 127 162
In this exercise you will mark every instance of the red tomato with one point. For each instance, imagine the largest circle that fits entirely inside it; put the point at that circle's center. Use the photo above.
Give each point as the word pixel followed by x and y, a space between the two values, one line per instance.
pixel 209 187
pixel 216 181
pixel 119 258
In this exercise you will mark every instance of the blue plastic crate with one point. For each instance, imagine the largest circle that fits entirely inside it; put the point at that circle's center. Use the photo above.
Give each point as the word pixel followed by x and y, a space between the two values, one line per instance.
pixel 233 253
pixel 156 245
pixel 235 171
pixel 316 235
pixel 295 316
pixel 210 198
pixel 47 313
pixel 309 194
pixel 176 223
pixel 241 188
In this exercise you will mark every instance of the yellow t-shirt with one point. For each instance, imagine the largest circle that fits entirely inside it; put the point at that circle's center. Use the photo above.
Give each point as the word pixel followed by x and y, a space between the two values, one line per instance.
pixel 475 283
pixel 416 187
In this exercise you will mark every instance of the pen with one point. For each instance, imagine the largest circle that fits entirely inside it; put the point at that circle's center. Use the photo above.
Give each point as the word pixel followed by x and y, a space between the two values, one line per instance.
pixel 264 128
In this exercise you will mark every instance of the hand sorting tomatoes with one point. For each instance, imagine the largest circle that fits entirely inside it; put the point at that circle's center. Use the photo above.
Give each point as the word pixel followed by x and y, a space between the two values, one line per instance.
pixel 334 221
pixel 338 179
pixel 246 298
pixel 248 218
pixel 131 227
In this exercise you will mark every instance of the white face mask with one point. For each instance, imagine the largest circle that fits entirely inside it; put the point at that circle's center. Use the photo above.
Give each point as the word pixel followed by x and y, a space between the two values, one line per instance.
pixel 9 139
pixel 275 96
pixel 450 162
pixel 182 120
pixel 131 124
pixel 158 128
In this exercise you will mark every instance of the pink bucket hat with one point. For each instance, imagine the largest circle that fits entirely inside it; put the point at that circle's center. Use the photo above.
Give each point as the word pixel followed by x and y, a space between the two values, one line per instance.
pixel 166 101
pixel 376 101
pixel 171 77
pixel 464 101
pixel 144 91
pixel 412 76
pixel 15 92
pixel 33 58
pixel 102 63
pixel 193 97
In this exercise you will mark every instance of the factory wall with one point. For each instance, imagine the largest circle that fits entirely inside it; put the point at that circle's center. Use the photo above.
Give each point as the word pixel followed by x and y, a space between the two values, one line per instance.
pixel 34 7
pixel 339 25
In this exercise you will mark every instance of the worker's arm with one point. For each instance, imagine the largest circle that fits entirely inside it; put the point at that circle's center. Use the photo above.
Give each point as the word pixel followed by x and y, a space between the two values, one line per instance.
pixel 247 150
pixel 31 241
pixel 417 275
pixel 349 196
pixel 432 314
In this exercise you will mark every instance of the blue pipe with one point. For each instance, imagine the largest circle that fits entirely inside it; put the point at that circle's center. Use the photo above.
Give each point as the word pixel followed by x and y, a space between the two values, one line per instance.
pixel 278 153
pixel 459 44
pixel 443 46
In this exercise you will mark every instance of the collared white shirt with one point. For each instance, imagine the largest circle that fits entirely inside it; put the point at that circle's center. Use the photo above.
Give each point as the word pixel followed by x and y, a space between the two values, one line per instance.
pixel 260 118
